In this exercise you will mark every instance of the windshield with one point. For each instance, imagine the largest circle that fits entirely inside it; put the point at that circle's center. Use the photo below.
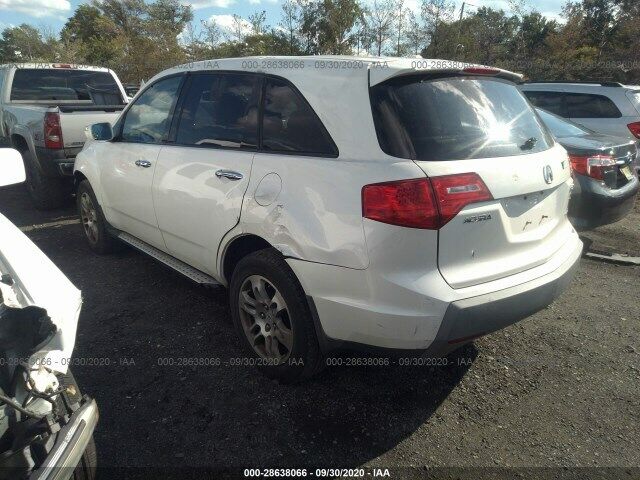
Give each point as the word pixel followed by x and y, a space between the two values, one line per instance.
pixel 72 86
pixel 455 118
pixel 560 127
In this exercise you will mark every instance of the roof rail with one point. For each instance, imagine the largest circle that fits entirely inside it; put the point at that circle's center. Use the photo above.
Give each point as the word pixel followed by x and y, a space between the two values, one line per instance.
pixel 582 82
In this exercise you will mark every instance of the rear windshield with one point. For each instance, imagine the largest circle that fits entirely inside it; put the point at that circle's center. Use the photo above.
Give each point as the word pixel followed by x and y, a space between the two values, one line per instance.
pixel 455 118
pixel 560 127
pixel 80 86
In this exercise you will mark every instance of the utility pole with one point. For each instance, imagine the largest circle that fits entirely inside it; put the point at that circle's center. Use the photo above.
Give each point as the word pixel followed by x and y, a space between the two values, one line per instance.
pixel 462 11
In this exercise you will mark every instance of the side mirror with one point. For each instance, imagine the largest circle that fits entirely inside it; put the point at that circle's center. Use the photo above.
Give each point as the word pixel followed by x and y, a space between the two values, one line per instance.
pixel 11 167
pixel 99 131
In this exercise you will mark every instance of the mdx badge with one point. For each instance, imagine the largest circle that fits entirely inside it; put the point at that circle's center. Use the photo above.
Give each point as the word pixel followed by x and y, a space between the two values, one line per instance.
pixel 547 173
pixel 478 218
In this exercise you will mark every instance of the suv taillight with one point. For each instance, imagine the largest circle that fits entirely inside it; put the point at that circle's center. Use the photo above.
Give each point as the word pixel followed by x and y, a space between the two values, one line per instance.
pixel 427 203
pixel 634 128
pixel 594 166
pixel 52 131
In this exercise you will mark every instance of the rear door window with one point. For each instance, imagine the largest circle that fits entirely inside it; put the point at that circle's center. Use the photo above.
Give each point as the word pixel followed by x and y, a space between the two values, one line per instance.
pixel 549 101
pixel 65 85
pixel 583 105
pixel 455 118
pixel 290 125
pixel 221 110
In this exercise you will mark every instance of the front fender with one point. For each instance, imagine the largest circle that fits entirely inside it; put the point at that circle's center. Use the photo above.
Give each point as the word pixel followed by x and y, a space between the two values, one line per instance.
pixel 87 164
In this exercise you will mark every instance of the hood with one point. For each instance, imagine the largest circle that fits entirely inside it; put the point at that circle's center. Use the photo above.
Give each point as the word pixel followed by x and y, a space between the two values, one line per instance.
pixel 30 279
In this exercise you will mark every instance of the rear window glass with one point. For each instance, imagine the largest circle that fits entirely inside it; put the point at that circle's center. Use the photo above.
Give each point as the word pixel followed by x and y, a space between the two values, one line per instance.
pixel 582 105
pixel 560 127
pixel 98 88
pixel 635 99
pixel 289 124
pixel 454 119
pixel 550 101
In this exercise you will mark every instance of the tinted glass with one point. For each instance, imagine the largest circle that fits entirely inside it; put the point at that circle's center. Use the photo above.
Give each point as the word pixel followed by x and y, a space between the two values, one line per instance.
pixel 550 101
pixel 290 125
pixel 581 105
pixel 221 110
pixel 635 99
pixel 560 127
pixel 98 88
pixel 147 120
pixel 454 119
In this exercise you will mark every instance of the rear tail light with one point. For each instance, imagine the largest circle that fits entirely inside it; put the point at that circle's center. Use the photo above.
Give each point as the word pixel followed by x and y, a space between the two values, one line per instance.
pixel 423 202
pixel 454 192
pixel 635 129
pixel 592 166
pixel 52 131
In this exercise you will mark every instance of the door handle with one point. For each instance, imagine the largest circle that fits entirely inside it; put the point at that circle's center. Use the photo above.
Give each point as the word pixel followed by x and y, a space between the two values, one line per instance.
pixel 230 174
pixel 143 163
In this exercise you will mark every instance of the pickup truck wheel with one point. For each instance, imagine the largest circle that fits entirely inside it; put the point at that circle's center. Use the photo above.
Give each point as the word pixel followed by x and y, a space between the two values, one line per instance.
pixel 46 193
pixel 272 318
pixel 93 222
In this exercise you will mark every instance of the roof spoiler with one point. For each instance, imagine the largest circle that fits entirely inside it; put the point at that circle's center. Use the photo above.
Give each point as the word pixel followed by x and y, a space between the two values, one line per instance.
pixel 379 75
pixel 581 82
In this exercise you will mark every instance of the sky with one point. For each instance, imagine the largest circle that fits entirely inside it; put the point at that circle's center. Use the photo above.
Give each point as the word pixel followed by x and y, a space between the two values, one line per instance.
pixel 54 13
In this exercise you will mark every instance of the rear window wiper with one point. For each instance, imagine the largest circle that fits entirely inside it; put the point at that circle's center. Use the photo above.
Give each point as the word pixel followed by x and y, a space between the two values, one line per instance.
pixel 529 143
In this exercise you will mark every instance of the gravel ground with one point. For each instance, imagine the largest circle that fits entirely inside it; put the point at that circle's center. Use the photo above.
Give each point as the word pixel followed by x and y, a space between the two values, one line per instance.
pixel 559 389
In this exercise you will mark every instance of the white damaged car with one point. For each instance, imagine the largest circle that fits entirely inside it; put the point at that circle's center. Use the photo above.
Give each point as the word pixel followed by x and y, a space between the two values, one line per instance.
pixel 46 425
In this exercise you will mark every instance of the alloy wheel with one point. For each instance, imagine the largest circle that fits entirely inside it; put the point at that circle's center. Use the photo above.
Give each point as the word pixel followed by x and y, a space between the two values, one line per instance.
pixel 265 319
pixel 89 217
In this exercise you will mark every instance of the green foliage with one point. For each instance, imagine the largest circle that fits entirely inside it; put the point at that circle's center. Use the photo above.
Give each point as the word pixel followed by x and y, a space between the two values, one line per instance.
pixel 23 43
pixel 597 39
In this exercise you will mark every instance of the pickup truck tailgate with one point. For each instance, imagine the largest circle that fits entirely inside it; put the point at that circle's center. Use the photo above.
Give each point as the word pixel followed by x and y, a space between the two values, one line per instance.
pixel 74 122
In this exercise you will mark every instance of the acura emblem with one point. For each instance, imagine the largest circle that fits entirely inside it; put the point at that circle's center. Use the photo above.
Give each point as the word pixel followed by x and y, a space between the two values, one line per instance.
pixel 547 173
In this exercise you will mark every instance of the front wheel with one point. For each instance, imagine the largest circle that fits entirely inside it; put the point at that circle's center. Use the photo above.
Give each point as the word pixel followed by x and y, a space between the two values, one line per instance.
pixel 272 318
pixel 93 221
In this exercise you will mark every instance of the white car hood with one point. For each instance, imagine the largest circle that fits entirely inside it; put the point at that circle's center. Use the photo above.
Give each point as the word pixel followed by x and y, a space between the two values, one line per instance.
pixel 38 282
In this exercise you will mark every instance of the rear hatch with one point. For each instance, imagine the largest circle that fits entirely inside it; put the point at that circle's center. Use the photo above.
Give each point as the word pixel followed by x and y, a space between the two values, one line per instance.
pixel 501 183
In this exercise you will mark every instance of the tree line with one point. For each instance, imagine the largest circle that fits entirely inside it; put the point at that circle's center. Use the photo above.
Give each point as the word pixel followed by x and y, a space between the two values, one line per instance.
pixel 596 39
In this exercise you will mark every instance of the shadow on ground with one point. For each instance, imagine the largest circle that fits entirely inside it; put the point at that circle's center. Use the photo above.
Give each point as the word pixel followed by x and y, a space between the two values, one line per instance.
pixel 160 356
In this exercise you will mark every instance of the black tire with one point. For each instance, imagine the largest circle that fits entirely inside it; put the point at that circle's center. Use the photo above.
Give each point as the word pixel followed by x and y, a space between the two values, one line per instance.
pixel 46 193
pixel 305 358
pixel 99 239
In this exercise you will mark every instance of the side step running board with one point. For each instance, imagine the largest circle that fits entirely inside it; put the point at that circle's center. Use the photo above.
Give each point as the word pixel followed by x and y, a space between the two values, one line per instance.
pixel 171 262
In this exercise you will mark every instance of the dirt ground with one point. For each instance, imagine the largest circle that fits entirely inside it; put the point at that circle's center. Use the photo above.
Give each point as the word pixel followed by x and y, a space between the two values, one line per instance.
pixel 560 389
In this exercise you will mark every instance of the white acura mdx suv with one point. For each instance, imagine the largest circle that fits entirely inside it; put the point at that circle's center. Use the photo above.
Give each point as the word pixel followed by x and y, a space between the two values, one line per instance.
pixel 409 205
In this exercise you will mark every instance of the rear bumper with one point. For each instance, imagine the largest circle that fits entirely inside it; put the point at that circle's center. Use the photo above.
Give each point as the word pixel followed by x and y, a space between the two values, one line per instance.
pixel 593 205
pixel 365 309
pixel 473 317
pixel 55 163
pixel 70 445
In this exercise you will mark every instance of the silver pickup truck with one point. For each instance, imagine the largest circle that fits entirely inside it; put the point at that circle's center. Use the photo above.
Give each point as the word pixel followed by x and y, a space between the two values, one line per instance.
pixel 44 109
